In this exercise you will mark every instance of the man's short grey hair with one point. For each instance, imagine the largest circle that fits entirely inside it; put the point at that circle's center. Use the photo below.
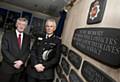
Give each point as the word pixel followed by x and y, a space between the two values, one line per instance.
pixel 23 19
pixel 51 20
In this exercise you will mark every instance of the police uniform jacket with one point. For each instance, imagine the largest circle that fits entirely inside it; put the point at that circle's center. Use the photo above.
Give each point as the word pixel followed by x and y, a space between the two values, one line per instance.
pixel 45 51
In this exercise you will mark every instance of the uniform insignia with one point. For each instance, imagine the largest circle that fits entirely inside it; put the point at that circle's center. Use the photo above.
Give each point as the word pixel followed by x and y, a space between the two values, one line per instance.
pixel 52 43
pixel 39 38
pixel 45 54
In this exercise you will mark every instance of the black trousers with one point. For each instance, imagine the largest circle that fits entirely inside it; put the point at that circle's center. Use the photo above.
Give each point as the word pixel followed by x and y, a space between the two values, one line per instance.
pixel 31 79
pixel 4 77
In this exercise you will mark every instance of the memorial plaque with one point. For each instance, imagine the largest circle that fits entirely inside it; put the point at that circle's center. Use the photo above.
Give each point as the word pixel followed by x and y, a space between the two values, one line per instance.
pixel 59 71
pixel 64 79
pixel 64 50
pixel 102 44
pixel 65 65
pixel 73 77
pixel 75 59
pixel 93 74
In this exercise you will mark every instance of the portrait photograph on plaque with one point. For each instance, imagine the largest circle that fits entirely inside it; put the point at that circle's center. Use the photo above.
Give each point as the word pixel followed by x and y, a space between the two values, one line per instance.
pixel 3 14
pixel 27 15
pixel 96 11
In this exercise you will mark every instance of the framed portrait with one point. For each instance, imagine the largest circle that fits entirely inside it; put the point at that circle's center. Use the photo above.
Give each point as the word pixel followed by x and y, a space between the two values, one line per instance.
pixel 3 14
pixel 27 15
pixel 96 11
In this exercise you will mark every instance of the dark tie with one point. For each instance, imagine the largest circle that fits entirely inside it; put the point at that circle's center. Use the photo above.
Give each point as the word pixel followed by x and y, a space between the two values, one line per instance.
pixel 19 41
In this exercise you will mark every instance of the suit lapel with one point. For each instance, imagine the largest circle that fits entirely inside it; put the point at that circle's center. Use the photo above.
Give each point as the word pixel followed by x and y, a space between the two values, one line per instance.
pixel 23 42
pixel 15 42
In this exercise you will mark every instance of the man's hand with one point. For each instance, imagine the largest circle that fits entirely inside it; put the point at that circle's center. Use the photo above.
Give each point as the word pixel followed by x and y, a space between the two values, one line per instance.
pixel 39 67
pixel 18 64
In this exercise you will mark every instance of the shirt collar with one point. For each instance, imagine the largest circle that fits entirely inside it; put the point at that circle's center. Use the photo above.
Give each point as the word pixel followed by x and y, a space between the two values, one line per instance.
pixel 49 36
pixel 17 32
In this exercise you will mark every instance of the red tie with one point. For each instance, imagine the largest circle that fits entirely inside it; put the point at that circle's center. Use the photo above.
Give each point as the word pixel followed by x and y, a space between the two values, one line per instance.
pixel 19 41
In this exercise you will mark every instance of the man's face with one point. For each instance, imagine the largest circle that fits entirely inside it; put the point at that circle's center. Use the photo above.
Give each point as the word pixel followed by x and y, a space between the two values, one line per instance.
pixel 50 27
pixel 21 25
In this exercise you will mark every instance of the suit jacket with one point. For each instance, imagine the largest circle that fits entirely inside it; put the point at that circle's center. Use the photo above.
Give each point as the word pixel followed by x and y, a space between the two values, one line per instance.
pixel 11 52
pixel 39 47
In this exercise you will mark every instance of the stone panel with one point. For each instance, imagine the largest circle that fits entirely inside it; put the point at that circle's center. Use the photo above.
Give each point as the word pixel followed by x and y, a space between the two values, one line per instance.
pixel 75 59
pixel 93 74
pixel 65 65
pixel 73 77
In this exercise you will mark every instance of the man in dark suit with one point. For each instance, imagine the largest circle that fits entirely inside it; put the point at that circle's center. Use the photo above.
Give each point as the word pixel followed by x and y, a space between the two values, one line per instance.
pixel 45 55
pixel 15 48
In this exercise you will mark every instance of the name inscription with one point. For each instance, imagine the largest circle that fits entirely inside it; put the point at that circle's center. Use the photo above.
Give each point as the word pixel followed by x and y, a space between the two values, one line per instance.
pixel 93 74
pixel 103 44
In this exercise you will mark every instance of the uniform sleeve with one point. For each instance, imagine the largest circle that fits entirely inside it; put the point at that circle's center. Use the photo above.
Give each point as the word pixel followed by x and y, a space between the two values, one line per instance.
pixel 5 50
pixel 55 60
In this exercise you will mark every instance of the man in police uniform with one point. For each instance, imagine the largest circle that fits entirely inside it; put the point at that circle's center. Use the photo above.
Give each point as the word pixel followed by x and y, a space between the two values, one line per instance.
pixel 45 55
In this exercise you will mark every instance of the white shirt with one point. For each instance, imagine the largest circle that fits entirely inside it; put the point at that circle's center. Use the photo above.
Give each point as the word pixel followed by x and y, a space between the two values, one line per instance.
pixel 48 35
pixel 18 36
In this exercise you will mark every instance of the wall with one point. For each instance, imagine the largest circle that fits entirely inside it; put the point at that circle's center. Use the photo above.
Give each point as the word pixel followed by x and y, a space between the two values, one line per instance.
pixel 76 18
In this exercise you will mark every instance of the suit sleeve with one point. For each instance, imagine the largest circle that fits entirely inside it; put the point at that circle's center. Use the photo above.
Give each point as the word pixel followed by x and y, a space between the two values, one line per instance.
pixel 5 49
pixel 55 60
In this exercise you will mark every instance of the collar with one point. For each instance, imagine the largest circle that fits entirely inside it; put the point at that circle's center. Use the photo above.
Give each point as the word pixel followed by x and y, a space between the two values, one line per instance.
pixel 17 32
pixel 49 36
